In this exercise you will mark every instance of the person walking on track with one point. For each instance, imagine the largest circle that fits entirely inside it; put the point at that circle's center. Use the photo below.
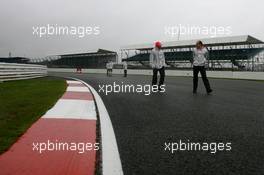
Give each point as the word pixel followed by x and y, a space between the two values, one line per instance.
pixel 157 62
pixel 200 56
pixel 109 68
pixel 125 68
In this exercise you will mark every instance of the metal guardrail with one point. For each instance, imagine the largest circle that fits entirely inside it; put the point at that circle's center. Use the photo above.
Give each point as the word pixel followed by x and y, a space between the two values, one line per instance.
pixel 13 71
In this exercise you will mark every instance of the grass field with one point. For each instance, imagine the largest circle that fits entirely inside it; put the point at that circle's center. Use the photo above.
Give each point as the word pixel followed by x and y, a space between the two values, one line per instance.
pixel 22 102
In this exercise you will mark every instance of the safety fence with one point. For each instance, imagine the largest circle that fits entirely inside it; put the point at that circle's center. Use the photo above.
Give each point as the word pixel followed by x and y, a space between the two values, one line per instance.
pixel 13 71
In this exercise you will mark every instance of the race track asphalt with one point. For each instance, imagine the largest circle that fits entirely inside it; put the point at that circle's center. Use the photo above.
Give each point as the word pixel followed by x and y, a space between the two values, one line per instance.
pixel 143 124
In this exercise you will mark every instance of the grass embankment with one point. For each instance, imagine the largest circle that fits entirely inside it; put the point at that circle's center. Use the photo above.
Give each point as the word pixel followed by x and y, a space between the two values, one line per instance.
pixel 22 102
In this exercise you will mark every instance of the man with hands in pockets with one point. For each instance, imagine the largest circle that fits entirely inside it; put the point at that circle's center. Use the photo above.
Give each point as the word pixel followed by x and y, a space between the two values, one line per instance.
pixel 157 62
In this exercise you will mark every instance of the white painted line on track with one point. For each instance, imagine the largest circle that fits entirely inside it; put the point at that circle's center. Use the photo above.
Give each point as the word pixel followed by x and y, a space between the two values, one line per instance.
pixel 77 89
pixel 73 82
pixel 110 155
pixel 72 109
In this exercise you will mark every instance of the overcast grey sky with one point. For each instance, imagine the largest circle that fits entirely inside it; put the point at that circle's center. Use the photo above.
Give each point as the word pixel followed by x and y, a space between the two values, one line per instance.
pixel 121 22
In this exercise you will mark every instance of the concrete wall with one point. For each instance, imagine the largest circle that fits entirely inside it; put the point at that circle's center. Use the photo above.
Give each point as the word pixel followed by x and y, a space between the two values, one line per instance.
pixel 212 74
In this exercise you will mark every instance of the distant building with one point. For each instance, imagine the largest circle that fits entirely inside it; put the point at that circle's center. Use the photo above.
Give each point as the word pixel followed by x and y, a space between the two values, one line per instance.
pixel 14 60
pixel 84 60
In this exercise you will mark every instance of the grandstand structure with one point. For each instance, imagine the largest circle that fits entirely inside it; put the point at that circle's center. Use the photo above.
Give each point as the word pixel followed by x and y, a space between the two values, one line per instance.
pixel 14 60
pixel 81 60
pixel 234 52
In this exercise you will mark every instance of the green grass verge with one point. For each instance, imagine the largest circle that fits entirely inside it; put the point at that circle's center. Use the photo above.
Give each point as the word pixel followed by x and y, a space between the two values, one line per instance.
pixel 22 102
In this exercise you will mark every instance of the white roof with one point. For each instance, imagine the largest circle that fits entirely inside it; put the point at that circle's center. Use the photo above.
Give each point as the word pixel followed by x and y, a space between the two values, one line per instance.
pixel 243 39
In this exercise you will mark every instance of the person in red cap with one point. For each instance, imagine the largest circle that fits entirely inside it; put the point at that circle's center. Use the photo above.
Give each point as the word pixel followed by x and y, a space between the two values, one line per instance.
pixel 157 62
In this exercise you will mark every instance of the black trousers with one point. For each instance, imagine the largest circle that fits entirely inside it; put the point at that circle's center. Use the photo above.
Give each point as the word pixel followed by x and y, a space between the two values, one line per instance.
pixel 196 70
pixel 125 73
pixel 109 72
pixel 155 76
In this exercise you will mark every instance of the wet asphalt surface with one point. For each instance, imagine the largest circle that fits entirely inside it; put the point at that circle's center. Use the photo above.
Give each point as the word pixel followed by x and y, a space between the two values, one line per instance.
pixel 234 114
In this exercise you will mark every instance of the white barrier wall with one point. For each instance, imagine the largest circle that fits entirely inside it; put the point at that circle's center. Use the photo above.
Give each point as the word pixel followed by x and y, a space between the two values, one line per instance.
pixel 187 73
pixel 13 71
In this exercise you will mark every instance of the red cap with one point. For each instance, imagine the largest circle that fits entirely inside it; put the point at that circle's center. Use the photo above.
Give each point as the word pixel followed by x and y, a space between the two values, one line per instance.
pixel 158 44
